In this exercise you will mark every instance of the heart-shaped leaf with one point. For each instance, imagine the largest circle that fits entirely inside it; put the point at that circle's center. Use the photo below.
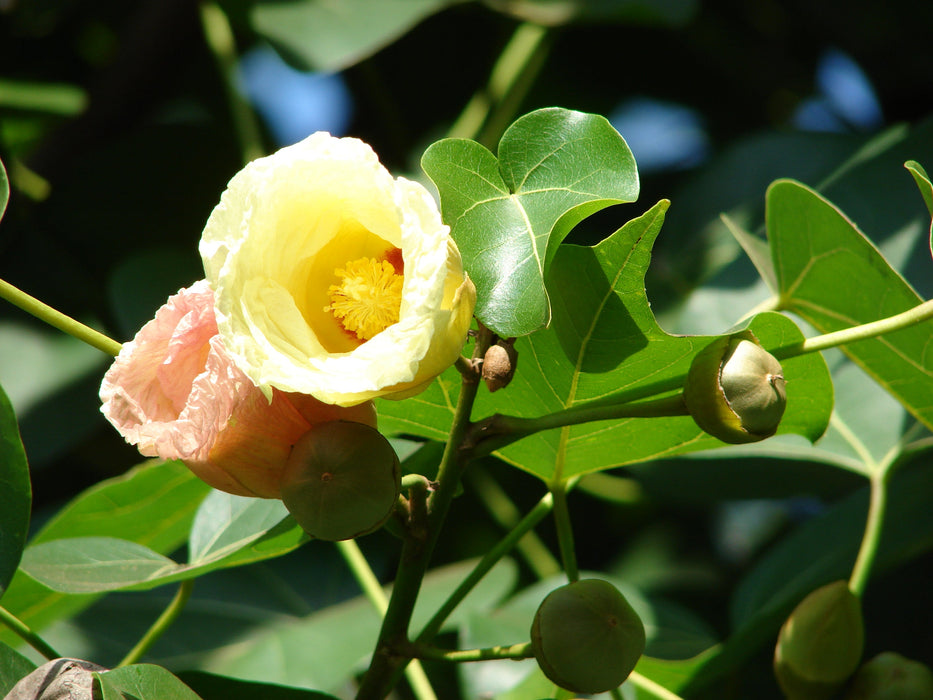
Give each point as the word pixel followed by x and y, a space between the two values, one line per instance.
pixel 509 214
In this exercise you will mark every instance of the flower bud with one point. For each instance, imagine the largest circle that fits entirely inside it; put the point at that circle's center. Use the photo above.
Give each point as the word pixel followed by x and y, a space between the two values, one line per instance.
pixel 890 676
pixel 341 481
pixel 735 390
pixel 499 364
pixel 586 637
pixel 820 644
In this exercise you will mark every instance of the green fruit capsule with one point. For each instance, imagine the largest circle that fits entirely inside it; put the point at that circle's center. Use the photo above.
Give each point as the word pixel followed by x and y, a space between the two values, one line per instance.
pixel 820 644
pixel 890 676
pixel 341 481
pixel 735 390
pixel 586 637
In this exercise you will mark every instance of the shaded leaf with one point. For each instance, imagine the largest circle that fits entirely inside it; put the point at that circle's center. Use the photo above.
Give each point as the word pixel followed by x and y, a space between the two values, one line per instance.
pixel 835 278
pixel 213 687
pixel 143 682
pixel 153 504
pixel 509 214
pixel 343 635
pixel 326 36
pixel 13 667
pixel 15 494
pixel 926 190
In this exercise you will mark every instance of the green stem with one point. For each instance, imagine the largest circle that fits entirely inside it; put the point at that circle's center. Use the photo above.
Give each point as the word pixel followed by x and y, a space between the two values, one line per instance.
pixel 505 545
pixel 159 627
pixel 507 515
pixel 219 38
pixel 23 630
pixel 58 320
pixel 871 539
pixel 515 651
pixel 509 81
pixel 387 661
pixel 564 527
pixel 499 430
pixel 918 314
pixel 372 589
pixel 650 686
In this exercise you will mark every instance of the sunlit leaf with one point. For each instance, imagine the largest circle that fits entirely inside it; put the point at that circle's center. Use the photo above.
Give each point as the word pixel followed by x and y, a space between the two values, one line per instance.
pixel 604 342
pixel 509 214
pixel 15 494
pixel 835 278
pixel 143 682
pixel 326 36
pixel 225 523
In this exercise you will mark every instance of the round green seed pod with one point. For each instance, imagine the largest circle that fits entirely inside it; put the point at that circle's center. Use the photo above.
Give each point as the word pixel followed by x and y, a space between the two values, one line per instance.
pixel 735 390
pixel 820 644
pixel 341 481
pixel 586 637
pixel 890 676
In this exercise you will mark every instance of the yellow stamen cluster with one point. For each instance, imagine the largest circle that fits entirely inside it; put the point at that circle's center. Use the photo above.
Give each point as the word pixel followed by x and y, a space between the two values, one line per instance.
pixel 368 297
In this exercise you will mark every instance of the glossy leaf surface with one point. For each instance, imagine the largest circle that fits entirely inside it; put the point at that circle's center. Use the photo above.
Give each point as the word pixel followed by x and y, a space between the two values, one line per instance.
pixel 835 278
pixel 508 214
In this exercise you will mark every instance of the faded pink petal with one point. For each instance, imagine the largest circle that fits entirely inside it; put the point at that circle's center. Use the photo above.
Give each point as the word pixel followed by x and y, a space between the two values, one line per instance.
pixel 174 392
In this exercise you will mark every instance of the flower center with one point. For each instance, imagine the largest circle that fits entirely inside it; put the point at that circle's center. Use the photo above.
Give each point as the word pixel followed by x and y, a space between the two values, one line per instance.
pixel 368 297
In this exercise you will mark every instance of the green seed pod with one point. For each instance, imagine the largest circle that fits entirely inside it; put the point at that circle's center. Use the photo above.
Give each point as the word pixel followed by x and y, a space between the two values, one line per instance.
pixel 586 637
pixel 890 676
pixel 735 390
pixel 341 481
pixel 820 644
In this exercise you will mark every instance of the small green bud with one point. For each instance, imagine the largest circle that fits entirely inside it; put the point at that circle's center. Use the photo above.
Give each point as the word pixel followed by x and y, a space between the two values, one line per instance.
pixel 820 644
pixel 341 480
pixel 586 637
pixel 735 390
pixel 890 676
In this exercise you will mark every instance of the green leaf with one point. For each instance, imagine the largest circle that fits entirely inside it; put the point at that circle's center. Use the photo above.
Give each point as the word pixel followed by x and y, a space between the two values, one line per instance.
pixel 93 564
pixel 15 494
pixel 213 687
pixel 605 344
pixel 509 215
pixel 926 190
pixel 13 667
pixel 143 682
pixel 835 278
pixel 559 12
pixel 153 504
pixel 326 36
pixel 343 635
pixel 229 531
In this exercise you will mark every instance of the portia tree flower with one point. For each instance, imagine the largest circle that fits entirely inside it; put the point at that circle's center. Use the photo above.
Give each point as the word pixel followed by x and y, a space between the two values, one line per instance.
pixel 174 392
pixel 333 278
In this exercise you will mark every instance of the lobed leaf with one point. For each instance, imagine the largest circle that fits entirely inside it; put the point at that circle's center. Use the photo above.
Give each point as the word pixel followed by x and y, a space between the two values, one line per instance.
pixel 509 214
pixel 835 278
pixel 15 494
pixel 604 345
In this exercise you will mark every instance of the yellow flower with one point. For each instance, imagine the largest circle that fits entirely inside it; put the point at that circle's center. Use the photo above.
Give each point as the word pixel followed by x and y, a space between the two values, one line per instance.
pixel 334 279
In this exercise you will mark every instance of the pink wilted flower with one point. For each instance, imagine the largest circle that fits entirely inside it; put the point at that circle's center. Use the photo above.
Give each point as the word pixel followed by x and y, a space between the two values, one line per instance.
pixel 174 392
